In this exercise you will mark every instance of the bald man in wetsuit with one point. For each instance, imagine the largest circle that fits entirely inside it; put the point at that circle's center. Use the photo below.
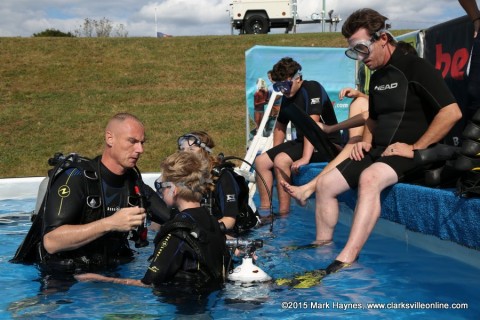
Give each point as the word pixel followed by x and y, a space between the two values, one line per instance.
pixel 76 237
pixel 410 107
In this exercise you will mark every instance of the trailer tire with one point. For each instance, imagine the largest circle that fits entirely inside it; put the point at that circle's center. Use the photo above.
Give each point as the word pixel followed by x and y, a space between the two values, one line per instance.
pixel 256 24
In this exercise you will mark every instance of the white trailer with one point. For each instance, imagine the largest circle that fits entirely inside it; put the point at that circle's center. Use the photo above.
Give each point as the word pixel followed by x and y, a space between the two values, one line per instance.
pixel 260 16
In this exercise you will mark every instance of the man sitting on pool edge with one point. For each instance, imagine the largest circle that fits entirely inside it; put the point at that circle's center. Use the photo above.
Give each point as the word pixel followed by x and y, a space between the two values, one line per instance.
pixel 410 108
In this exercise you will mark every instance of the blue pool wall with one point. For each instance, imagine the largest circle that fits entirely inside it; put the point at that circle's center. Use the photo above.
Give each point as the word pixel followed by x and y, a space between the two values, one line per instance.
pixel 431 211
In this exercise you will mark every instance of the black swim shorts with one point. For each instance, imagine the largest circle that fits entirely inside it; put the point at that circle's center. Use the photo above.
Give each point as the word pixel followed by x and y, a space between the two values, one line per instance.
pixel 407 170
pixel 294 149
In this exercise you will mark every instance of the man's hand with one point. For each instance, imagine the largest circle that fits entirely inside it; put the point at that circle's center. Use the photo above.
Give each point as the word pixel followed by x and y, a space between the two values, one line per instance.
pixel 126 219
pixel 399 149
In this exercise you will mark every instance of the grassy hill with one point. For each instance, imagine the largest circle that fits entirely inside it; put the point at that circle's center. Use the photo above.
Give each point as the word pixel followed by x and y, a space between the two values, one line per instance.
pixel 56 94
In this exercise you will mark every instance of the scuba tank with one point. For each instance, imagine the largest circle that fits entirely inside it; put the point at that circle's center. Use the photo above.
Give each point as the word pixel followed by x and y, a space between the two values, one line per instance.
pixel 248 271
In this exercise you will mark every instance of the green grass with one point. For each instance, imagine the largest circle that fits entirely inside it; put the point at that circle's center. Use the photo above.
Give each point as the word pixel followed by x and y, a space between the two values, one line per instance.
pixel 56 94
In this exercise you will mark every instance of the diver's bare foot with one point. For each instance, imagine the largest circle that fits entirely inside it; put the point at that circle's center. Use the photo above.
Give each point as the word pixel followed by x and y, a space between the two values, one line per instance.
pixel 300 194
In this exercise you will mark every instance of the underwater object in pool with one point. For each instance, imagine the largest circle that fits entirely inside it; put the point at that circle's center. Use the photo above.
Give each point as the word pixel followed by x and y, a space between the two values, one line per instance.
pixel 307 246
pixel 34 307
pixel 20 217
pixel 246 296
pixel 303 281
pixel 312 278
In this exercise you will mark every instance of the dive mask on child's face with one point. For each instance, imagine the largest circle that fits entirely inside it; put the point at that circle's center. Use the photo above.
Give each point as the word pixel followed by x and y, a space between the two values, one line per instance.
pixel 285 87
pixel 160 186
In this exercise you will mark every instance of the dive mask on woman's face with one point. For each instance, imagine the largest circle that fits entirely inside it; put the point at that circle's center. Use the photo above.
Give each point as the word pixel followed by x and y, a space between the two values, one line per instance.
pixel 187 143
pixel 190 142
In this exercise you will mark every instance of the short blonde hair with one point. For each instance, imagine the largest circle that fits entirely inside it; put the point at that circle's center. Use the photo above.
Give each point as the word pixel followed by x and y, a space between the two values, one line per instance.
pixel 189 172
pixel 261 84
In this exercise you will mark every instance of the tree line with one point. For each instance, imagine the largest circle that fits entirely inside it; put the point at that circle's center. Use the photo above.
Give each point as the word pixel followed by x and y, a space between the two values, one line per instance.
pixel 90 28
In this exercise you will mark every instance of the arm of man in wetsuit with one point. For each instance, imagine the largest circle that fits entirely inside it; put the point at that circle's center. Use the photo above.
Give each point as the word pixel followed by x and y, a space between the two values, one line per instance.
pixel 307 149
pixel 442 123
pixel 440 126
pixel 436 98
pixel 157 210
pixel 279 133
pixel 310 129
pixel 64 211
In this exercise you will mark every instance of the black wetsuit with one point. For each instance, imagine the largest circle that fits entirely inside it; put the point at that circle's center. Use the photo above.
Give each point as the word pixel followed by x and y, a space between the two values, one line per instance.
pixel 226 195
pixel 176 261
pixel 313 100
pixel 230 198
pixel 405 96
pixel 67 205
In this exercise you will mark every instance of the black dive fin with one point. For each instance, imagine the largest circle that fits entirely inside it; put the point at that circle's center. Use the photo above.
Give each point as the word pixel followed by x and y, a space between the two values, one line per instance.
pixel 310 129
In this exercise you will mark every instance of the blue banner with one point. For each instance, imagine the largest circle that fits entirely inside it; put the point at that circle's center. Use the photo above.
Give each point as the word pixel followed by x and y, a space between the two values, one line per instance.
pixel 329 66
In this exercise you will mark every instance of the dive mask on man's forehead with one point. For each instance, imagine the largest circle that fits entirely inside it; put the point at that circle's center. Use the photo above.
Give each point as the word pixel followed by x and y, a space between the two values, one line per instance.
pixel 192 140
pixel 286 86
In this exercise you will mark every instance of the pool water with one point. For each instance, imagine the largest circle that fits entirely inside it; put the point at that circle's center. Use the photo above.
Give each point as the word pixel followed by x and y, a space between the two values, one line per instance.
pixel 389 272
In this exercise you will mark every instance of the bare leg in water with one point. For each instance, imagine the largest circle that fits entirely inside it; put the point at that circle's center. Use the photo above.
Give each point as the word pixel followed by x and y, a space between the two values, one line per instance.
pixel 372 181
pixel 264 167
pixel 357 116
pixel 282 169
pixel 303 192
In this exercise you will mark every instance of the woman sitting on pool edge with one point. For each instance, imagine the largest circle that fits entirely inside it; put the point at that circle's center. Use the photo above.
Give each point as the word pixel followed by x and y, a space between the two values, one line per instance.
pixel 180 258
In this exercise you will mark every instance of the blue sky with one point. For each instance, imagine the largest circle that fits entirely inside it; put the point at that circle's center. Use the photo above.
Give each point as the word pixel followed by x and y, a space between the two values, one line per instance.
pixel 198 17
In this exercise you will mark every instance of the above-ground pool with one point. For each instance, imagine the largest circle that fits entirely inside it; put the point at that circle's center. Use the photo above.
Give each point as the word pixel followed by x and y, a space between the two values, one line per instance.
pixel 393 279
